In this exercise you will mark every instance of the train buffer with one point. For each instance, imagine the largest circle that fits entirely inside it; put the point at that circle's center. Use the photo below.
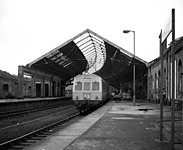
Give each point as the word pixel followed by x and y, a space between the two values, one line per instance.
pixel 114 126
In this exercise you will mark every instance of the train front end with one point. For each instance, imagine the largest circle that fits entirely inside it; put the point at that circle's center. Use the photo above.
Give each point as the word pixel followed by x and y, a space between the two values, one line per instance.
pixel 87 91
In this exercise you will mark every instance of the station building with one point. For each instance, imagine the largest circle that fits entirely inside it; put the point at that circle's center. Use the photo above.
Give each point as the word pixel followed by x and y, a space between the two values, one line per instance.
pixel 154 75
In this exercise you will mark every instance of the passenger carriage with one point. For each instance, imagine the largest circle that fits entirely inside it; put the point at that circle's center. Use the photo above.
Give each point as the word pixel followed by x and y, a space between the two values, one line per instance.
pixel 89 90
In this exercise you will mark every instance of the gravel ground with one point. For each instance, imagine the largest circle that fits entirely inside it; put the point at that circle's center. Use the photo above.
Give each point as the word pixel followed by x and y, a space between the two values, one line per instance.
pixel 11 128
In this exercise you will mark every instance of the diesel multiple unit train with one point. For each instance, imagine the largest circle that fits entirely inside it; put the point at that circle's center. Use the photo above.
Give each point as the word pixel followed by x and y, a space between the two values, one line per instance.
pixel 89 90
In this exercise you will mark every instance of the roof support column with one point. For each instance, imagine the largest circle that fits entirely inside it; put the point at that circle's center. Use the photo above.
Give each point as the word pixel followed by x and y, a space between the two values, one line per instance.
pixel 59 88
pixel 56 88
pixel 33 85
pixel 20 81
pixel 43 87
pixel 62 88
pixel 51 88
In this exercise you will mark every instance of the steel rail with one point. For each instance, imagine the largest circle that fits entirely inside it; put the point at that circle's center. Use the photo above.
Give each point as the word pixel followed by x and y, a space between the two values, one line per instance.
pixel 4 144
pixel 25 122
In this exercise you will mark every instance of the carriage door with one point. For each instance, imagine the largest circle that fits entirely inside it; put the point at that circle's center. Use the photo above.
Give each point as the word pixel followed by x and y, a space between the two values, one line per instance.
pixel 87 93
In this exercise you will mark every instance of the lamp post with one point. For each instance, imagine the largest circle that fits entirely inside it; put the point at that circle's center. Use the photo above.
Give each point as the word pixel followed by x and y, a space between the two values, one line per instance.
pixel 127 31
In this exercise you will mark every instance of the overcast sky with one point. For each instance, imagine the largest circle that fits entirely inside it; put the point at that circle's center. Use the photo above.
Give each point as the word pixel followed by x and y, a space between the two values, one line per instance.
pixel 31 28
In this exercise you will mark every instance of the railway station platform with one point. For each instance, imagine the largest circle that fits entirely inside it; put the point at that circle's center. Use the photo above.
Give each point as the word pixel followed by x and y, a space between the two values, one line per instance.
pixel 31 99
pixel 115 126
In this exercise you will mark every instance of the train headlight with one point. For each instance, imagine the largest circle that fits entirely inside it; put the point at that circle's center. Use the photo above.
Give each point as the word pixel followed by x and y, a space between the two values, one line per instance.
pixel 96 98
pixel 77 97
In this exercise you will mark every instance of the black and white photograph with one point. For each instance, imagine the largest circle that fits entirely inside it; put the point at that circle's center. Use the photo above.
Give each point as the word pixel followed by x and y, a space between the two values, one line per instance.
pixel 91 74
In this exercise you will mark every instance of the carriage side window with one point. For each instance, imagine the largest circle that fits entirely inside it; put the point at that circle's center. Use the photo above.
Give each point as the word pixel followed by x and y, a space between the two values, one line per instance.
pixel 78 86
pixel 86 86
pixel 95 86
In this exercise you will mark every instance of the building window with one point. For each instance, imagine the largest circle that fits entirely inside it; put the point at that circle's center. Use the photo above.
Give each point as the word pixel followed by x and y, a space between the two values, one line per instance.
pixel 164 78
pixel 159 79
pixel 29 89
pixel 5 88
pixel 152 80
pixel 156 82
pixel 180 76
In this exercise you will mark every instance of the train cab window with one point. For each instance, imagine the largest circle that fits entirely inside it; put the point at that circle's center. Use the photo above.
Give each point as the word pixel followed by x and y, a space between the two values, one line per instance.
pixel 86 86
pixel 78 86
pixel 95 86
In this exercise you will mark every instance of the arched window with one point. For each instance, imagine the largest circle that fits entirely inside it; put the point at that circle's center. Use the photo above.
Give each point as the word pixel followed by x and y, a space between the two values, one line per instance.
pixel 164 79
pixel 159 79
pixel 152 81
pixel 180 76
pixel 5 88
pixel 156 81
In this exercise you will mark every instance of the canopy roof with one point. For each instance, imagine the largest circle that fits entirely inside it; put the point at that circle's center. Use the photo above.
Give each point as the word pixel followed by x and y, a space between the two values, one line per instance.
pixel 90 52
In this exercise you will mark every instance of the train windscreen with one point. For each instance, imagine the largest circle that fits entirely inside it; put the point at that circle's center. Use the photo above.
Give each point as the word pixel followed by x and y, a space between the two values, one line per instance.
pixel 78 86
pixel 86 86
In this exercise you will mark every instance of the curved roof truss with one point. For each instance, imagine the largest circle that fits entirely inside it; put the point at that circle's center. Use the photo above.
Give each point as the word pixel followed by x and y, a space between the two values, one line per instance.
pixel 90 52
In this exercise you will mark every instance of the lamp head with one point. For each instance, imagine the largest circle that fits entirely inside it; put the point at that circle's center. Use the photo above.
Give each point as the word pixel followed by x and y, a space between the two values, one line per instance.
pixel 126 31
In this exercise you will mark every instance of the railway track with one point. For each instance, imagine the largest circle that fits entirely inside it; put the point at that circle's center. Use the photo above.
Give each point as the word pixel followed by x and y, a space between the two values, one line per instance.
pixel 27 138
pixel 16 113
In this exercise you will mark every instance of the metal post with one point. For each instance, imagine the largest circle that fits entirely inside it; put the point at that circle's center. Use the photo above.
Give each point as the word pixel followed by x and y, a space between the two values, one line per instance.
pixel 182 122
pixel 134 69
pixel 127 31
pixel 161 89
pixel 173 80
pixel 33 85
pixel 20 81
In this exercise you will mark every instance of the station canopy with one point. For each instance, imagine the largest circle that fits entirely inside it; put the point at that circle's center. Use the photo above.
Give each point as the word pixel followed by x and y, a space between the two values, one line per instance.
pixel 90 52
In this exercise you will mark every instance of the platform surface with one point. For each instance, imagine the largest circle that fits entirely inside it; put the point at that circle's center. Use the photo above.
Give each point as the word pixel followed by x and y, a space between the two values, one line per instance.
pixel 116 126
